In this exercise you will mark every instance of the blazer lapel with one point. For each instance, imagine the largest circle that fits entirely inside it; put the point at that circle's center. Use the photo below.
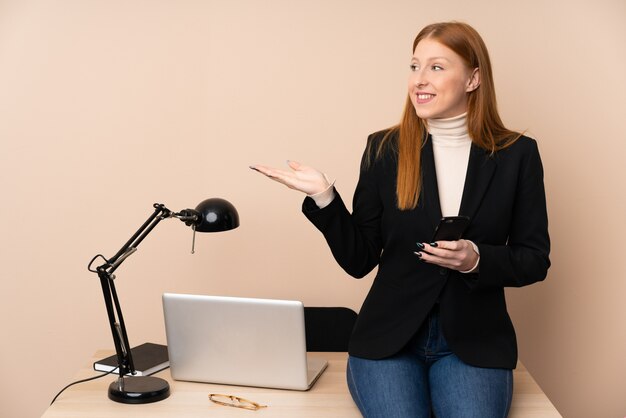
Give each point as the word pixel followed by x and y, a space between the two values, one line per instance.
pixel 480 170
pixel 430 190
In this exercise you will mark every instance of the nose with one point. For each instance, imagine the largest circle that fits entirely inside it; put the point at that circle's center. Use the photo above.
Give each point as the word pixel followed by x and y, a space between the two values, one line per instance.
pixel 418 79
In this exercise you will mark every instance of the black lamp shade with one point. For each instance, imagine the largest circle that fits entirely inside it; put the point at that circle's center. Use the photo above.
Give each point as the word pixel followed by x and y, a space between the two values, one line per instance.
pixel 216 215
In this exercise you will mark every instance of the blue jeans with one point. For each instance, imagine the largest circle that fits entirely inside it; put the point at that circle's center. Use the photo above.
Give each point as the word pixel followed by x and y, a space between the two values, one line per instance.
pixel 427 376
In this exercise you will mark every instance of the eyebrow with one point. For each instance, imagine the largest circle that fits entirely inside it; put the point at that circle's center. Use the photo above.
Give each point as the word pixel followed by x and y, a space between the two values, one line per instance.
pixel 432 59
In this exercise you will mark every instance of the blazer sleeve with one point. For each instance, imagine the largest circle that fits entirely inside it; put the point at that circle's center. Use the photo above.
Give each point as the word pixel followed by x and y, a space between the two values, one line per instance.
pixel 525 257
pixel 354 239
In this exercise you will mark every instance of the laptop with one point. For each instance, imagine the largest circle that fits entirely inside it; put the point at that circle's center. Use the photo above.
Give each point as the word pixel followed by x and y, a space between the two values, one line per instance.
pixel 239 341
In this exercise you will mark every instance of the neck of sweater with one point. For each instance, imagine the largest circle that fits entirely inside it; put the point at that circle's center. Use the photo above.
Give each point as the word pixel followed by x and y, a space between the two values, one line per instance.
pixel 450 131
pixel 451 149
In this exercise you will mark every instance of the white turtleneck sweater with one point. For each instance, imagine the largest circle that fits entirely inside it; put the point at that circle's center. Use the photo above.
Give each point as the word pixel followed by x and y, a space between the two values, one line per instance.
pixel 451 148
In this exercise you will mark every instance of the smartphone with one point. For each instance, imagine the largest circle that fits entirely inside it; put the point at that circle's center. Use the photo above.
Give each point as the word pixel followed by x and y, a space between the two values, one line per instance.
pixel 451 228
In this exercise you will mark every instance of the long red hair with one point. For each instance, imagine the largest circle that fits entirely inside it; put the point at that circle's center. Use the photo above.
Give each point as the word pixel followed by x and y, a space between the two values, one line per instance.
pixel 484 125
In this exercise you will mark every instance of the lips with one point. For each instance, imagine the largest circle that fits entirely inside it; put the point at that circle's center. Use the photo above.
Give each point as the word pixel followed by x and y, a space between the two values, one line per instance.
pixel 422 98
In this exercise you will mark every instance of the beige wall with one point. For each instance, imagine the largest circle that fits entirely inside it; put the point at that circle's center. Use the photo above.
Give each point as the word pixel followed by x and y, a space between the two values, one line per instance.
pixel 109 106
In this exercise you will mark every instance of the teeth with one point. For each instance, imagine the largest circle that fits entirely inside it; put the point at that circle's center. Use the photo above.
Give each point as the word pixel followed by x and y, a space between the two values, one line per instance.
pixel 424 96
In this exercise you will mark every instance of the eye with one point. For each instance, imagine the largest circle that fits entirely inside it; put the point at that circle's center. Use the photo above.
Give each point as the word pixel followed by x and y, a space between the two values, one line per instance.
pixel 437 67
pixel 414 67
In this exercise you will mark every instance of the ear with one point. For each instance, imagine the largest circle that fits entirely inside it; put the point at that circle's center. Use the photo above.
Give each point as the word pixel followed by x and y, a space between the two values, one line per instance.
pixel 474 80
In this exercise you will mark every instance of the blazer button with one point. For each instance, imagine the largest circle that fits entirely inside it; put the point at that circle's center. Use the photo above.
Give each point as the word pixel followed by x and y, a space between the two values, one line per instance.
pixel 443 271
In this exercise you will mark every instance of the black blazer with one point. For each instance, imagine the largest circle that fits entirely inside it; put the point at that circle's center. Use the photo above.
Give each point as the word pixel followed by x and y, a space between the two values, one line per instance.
pixel 505 199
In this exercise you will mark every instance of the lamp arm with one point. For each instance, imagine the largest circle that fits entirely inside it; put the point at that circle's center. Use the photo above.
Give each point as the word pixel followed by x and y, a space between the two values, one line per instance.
pixel 124 358
pixel 160 213
pixel 111 300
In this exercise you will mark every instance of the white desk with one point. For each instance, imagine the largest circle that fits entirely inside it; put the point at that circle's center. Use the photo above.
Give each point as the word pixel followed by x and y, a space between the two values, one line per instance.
pixel 329 397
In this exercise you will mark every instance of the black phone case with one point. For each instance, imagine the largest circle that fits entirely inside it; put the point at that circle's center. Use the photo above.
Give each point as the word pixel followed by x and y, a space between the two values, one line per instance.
pixel 451 228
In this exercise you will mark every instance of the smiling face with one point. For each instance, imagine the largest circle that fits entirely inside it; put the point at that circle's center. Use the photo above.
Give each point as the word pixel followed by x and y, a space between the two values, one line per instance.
pixel 440 81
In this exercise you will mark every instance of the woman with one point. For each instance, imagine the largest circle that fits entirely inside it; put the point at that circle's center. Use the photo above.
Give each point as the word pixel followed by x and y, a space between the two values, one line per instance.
pixel 434 332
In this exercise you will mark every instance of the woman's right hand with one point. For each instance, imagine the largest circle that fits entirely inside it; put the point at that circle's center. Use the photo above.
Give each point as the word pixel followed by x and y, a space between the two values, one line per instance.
pixel 301 177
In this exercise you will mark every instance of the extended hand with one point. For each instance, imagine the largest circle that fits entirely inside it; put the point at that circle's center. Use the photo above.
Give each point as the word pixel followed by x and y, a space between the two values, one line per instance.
pixel 301 177
pixel 456 255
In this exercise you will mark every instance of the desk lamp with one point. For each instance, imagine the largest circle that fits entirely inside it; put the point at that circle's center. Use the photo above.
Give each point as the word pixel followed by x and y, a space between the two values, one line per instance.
pixel 211 215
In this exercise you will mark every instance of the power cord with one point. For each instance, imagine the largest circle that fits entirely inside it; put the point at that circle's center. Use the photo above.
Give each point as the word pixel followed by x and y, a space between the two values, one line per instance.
pixel 82 381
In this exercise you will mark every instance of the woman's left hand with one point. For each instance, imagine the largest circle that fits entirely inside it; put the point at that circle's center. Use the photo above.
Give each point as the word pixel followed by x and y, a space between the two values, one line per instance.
pixel 456 255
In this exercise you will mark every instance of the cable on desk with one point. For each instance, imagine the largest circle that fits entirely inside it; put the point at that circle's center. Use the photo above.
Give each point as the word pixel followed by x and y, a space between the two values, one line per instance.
pixel 83 381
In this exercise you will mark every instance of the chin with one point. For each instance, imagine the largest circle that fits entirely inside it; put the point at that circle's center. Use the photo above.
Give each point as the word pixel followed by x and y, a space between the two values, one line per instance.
pixel 424 114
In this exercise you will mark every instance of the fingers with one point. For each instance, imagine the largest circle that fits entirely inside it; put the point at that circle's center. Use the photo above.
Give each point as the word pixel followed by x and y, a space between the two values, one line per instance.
pixel 455 255
pixel 260 168
pixel 276 172
pixel 263 169
pixel 281 176
pixel 443 247
pixel 446 262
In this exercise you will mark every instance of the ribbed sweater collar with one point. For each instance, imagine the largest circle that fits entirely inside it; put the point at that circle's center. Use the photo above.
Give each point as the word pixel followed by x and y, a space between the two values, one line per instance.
pixel 449 129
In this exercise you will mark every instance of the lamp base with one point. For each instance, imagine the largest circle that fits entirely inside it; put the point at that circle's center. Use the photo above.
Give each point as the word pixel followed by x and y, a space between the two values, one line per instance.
pixel 139 389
